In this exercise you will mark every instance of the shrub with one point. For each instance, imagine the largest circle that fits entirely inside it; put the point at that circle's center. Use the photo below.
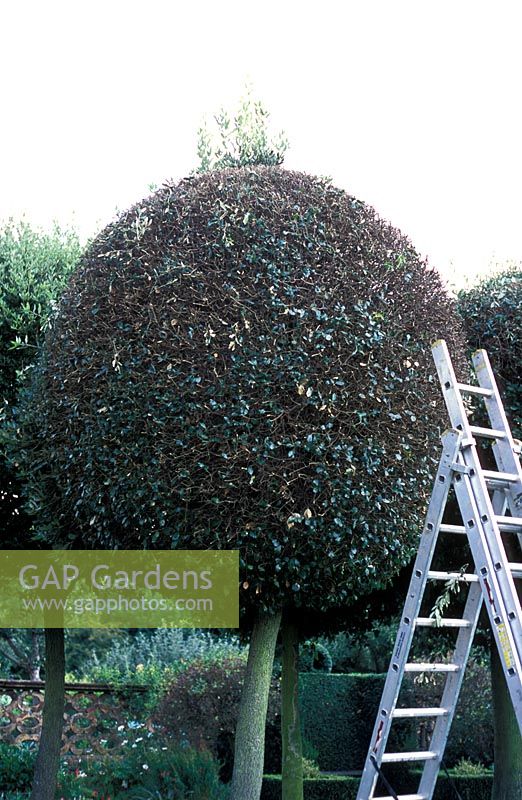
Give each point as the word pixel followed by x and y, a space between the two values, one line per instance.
pixel 131 657
pixel 492 315
pixel 16 766
pixel 364 651
pixel 201 709
pixel 148 770
pixel 314 657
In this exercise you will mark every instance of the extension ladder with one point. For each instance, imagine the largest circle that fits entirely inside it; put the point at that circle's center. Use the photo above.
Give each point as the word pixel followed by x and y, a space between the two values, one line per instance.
pixel 490 504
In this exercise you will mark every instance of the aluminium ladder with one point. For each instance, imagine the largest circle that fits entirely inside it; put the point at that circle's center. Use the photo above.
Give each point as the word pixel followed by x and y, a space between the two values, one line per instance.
pixel 490 503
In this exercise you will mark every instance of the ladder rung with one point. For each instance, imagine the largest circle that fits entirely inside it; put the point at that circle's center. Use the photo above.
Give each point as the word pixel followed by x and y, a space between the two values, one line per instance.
pixel 467 577
pixel 430 622
pixel 427 667
pixel 500 477
pixel 420 712
pixel 509 522
pixel 404 797
pixel 466 387
pixel 452 529
pixel 418 755
pixel 516 570
pixel 487 433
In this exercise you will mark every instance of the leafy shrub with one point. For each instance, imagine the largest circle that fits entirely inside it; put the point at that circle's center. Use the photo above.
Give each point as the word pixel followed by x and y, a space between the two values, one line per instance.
pixel 16 766
pixel 466 767
pixel 314 657
pixel 310 769
pixel 365 651
pixel 34 269
pixel 201 709
pixel 492 315
pixel 141 657
pixel 148 770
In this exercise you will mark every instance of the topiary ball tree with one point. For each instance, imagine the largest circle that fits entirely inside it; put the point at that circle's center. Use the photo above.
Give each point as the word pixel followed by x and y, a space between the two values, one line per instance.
pixel 243 360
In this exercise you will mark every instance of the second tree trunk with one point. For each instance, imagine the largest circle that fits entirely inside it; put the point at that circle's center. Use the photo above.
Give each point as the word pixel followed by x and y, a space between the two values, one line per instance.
pixel 292 765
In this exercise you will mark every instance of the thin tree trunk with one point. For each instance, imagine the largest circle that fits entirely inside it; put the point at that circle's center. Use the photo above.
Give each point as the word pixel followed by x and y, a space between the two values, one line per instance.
pixel 292 771
pixel 507 781
pixel 34 658
pixel 249 752
pixel 48 758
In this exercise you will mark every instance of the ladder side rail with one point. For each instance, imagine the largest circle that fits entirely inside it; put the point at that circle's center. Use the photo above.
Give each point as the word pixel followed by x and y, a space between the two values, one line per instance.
pixel 488 527
pixel 452 687
pixel 504 450
pixel 492 573
pixel 486 515
pixel 451 445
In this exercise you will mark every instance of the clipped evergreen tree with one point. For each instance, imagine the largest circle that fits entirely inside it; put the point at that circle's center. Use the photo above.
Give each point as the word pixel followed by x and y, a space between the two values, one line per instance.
pixel 492 315
pixel 242 360
pixel 34 268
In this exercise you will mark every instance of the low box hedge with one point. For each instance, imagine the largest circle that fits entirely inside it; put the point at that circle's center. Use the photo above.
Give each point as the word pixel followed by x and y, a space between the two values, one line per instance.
pixel 470 787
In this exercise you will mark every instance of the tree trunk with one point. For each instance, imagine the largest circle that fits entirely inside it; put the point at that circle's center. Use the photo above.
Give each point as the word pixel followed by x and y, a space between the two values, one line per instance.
pixel 249 752
pixel 507 781
pixel 292 771
pixel 48 758
pixel 34 658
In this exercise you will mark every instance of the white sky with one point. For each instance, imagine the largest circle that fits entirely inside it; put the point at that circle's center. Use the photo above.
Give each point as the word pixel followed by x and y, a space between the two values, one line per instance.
pixel 414 106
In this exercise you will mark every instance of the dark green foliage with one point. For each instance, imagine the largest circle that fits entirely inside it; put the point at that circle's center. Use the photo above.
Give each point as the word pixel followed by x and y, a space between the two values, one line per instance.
pixel 34 268
pixel 148 772
pixel 16 767
pixel 243 360
pixel 201 707
pixel 477 787
pixel 314 657
pixel 492 315
pixel 471 734
pixel 338 713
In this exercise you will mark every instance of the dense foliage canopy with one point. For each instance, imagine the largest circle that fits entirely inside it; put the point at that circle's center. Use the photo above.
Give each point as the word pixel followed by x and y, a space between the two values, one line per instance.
pixel 492 314
pixel 34 268
pixel 242 360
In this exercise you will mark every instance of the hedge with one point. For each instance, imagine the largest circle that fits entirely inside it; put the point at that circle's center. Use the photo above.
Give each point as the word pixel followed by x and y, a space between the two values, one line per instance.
pixel 476 787
pixel 338 714
pixel 339 710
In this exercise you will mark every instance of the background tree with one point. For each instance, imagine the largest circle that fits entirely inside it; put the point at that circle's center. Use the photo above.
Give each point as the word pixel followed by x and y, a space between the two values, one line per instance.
pixel 241 139
pixel 34 268
pixel 245 358
pixel 492 314
pixel 20 653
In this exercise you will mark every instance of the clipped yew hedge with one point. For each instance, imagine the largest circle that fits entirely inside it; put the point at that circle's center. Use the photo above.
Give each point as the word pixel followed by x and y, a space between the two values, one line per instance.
pixel 338 713
pixel 470 787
